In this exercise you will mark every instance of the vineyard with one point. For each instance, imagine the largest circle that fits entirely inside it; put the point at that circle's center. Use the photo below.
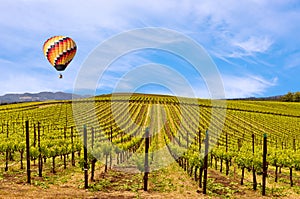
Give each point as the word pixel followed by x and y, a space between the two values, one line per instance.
pixel 99 144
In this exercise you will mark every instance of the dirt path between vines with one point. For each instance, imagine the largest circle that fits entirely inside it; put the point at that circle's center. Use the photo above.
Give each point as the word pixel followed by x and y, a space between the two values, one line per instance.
pixel 181 186
pixel 11 187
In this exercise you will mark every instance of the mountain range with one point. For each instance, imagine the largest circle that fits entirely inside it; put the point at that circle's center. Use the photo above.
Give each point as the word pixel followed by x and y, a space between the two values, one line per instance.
pixel 32 97
pixel 44 96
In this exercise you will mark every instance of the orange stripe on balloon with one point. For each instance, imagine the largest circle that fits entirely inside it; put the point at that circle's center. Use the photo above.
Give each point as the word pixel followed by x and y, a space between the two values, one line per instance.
pixel 66 57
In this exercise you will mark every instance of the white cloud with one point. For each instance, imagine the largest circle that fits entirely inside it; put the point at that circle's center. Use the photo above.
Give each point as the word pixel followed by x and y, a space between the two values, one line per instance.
pixel 254 45
pixel 246 86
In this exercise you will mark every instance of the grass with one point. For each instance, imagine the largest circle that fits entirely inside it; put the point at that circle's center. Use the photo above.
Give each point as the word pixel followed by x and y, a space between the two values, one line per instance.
pixel 218 189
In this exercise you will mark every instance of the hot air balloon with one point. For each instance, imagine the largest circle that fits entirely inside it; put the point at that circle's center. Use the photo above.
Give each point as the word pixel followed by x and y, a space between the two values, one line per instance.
pixel 59 50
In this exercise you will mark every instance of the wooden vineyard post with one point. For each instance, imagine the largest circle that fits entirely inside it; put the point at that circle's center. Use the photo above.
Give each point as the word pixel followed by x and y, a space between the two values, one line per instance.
pixel 265 168
pixel 205 162
pixel 34 135
pixel 86 183
pixel 110 153
pixel 146 165
pixel 40 161
pixel 72 141
pixel 7 151
pixel 34 140
pixel 227 161
pixel 27 151
pixel 291 176
pixel 253 169
pixel 65 139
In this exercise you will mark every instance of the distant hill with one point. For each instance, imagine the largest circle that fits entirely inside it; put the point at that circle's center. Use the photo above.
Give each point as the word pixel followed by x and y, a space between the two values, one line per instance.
pixel 44 96
pixel 271 98
pixel 32 97
pixel 289 97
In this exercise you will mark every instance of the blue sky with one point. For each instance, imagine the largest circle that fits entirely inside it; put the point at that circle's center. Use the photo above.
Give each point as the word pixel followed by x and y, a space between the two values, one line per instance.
pixel 255 44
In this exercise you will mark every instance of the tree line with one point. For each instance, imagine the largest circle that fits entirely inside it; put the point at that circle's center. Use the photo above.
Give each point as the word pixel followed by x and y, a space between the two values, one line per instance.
pixel 291 97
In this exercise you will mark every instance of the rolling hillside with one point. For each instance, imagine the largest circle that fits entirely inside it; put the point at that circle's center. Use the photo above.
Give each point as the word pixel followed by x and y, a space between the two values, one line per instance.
pixel 116 127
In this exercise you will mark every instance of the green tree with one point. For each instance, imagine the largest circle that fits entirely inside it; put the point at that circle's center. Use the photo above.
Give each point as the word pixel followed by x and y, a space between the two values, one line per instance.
pixel 288 97
pixel 296 97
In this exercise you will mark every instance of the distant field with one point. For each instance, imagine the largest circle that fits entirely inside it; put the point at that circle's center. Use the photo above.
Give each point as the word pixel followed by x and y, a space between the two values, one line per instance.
pixel 116 126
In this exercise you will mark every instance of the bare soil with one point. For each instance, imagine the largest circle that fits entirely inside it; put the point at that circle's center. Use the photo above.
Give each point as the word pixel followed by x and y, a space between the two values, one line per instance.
pixel 171 182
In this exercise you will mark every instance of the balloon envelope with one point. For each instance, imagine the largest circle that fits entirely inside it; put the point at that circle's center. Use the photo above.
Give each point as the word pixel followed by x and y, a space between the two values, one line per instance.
pixel 59 50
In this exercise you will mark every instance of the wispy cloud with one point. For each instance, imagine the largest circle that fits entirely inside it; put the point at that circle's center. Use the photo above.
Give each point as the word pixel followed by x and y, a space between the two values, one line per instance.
pixel 246 86
pixel 253 45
